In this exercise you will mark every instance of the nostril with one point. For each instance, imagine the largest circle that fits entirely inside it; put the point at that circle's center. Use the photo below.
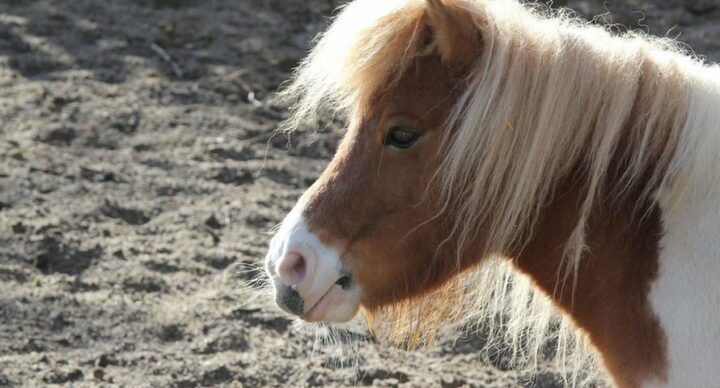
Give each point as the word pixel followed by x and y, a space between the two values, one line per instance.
pixel 292 269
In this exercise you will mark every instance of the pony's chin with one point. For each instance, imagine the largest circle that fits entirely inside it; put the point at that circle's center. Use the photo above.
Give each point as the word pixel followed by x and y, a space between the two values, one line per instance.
pixel 337 305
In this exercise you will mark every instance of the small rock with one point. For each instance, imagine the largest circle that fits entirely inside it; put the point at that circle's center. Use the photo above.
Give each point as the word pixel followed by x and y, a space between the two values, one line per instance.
pixel 19 228
pixel 4 381
pixel 213 222
pixel 98 374
pixel 56 103
pixel 119 254
pixel 170 333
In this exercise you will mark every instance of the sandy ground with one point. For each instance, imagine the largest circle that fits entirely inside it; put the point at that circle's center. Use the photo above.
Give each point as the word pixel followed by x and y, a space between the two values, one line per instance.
pixel 137 181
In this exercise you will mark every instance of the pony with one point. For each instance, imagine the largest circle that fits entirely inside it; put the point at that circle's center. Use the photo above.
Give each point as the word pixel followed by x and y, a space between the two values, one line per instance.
pixel 518 169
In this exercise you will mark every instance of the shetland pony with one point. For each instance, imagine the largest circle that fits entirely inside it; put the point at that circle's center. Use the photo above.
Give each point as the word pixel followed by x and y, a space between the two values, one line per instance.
pixel 515 168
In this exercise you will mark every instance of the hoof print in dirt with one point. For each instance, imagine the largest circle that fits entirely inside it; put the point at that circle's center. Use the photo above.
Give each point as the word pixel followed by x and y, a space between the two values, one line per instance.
pixel 232 176
pixel 279 324
pixel 373 376
pixel 53 254
pixel 58 321
pixel 170 333
pixel 58 136
pixel 129 215
pixel 161 266
pixel 240 312
pixel 221 340
pixel 13 274
pixel 31 345
pixel 216 375
pixel 147 284
pixel 260 219
pixel 104 360
pixel 243 154
pixel 184 383
pixel 173 3
pixel 216 260
pixel 98 176
pixel 57 376
pixel 453 382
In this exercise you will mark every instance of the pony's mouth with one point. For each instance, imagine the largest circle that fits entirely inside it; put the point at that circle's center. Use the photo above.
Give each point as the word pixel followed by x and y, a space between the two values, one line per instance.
pixel 336 297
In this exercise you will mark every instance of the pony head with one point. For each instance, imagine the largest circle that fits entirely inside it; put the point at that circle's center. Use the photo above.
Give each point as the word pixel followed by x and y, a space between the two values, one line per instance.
pixel 372 231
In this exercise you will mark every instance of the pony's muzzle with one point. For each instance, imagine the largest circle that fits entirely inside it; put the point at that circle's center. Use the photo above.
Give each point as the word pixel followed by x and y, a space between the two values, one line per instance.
pixel 313 288
pixel 310 279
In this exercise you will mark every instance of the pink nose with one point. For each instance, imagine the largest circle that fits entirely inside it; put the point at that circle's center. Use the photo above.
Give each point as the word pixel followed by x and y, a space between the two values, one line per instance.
pixel 291 269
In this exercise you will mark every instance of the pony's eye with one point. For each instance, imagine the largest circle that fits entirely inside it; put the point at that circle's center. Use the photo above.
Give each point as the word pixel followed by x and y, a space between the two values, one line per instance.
pixel 401 137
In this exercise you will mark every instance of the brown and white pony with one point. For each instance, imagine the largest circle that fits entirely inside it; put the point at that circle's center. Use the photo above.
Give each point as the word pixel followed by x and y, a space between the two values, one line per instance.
pixel 500 160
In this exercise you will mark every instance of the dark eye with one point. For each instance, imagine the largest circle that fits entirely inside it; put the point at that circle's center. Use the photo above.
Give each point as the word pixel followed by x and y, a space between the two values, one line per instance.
pixel 401 137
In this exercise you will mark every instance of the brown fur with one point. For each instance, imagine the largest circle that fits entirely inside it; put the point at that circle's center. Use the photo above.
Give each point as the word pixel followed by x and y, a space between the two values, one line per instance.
pixel 610 301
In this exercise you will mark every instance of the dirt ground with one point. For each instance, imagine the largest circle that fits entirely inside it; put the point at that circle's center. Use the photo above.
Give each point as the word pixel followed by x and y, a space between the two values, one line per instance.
pixel 138 179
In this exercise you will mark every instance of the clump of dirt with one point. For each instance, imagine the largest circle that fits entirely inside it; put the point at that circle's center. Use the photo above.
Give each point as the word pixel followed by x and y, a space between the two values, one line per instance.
pixel 139 177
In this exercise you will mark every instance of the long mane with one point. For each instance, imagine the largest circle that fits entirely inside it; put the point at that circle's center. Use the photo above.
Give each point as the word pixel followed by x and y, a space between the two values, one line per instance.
pixel 549 93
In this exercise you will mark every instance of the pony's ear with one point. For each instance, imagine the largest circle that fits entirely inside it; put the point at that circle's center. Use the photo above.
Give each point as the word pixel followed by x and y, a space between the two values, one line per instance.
pixel 454 32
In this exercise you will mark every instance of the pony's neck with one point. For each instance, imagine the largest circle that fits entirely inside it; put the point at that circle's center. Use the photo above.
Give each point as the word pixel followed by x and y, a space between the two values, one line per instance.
pixel 610 297
pixel 628 292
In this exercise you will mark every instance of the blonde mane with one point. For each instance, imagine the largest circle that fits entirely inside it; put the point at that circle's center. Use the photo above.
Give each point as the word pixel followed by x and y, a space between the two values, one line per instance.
pixel 549 94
